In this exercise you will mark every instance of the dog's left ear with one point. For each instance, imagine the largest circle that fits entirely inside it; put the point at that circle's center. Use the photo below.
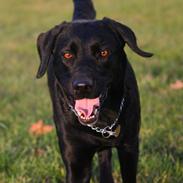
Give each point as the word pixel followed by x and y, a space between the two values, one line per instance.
pixel 127 35
pixel 45 46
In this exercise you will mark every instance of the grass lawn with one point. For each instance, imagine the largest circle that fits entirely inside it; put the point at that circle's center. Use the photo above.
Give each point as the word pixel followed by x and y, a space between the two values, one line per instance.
pixel 25 158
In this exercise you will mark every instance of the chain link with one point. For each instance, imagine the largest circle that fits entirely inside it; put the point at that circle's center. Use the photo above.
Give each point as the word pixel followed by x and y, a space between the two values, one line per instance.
pixel 108 130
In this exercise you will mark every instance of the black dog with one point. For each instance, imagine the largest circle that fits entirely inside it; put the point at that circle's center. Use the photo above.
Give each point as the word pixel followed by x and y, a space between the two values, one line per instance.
pixel 94 93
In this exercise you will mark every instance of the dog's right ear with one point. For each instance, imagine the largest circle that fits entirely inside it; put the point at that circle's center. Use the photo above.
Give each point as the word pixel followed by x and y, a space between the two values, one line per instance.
pixel 127 35
pixel 45 46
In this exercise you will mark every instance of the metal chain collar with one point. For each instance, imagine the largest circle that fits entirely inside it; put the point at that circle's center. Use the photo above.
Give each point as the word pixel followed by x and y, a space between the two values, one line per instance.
pixel 107 131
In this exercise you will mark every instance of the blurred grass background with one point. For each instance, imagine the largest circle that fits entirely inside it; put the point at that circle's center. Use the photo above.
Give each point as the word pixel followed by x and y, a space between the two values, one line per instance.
pixel 24 100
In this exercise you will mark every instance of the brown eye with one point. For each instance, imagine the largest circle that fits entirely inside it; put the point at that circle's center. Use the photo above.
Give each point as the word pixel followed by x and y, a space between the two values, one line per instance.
pixel 68 55
pixel 104 53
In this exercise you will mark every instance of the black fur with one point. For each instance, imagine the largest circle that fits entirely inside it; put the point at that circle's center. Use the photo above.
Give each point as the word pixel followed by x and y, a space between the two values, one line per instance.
pixel 85 39
pixel 83 9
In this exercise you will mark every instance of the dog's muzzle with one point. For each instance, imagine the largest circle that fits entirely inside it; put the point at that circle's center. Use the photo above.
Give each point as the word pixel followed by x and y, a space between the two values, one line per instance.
pixel 87 110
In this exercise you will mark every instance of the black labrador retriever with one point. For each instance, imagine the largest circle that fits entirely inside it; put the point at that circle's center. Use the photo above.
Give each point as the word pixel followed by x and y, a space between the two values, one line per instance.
pixel 94 93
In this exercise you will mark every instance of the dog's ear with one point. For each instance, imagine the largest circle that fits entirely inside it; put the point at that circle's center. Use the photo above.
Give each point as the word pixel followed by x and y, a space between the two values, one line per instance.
pixel 127 35
pixel 45 46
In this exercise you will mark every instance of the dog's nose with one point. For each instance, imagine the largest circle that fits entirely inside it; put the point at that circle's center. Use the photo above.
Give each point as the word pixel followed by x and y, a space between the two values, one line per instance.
pixel 84 86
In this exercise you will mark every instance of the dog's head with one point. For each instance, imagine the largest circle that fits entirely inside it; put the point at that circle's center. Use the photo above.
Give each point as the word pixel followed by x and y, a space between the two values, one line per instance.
pixel 87 58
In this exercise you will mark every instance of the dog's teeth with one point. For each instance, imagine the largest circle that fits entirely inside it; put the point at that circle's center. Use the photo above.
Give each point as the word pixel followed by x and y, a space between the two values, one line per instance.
pixel 95 112
pixel 82 117
pixel 86 118
pixel 91 117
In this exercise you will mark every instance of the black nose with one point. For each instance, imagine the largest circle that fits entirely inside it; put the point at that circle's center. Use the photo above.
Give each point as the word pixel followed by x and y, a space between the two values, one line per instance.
pixel 82 86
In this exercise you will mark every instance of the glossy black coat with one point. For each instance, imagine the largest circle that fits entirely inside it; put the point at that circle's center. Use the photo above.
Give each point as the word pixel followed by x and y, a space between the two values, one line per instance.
pixel 78 143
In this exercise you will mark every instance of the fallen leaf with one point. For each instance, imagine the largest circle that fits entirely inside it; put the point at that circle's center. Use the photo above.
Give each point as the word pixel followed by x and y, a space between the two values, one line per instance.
pixel 39 128
pixel 177 85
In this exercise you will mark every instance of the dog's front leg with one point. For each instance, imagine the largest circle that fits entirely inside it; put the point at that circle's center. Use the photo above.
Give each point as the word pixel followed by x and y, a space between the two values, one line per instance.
pixel 78 162
pixel 128 157
pixel 105 166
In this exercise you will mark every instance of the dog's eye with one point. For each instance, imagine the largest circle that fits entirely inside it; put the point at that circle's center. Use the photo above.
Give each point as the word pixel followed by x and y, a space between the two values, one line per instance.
pixel 68 55
pixel 104 53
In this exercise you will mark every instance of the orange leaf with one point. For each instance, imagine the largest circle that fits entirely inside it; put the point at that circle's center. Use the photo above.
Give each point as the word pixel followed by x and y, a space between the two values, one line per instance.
pixel 177 85
pixel 47 129
pixel 39 128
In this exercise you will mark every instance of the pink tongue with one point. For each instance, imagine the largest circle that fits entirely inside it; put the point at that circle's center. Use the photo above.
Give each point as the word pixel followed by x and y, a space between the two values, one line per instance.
pixel 85 106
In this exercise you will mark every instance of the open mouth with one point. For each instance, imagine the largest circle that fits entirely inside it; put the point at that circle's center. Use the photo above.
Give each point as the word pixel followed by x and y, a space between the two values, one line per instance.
pixel 87 110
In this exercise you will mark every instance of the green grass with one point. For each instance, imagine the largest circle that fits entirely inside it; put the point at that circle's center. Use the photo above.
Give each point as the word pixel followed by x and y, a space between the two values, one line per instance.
pixel 24 100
